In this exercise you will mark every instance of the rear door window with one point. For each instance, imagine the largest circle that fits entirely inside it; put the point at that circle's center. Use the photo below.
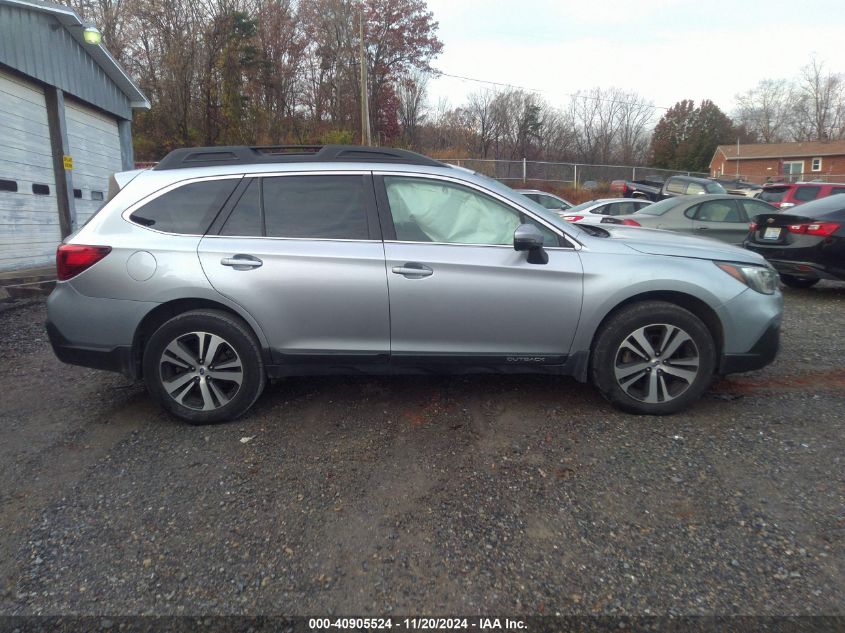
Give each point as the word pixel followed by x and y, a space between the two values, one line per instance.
pixel 806 193
pixel 188 209
pixel 315 207
pixel 719 211
pixel 622 208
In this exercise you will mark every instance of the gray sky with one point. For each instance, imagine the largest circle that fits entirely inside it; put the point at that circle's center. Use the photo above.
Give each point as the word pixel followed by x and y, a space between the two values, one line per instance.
pixel 664 50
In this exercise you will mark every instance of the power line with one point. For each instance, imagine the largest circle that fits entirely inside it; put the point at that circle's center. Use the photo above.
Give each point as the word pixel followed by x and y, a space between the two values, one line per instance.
pixel 440 73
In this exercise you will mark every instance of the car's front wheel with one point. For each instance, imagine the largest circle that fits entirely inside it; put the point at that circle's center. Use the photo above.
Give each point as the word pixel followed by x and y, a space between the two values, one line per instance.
pixel 204 366
pixel 799 282
pixel 653 358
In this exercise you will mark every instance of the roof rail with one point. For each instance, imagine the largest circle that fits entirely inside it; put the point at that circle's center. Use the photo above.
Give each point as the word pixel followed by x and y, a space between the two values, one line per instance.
pixel 261 154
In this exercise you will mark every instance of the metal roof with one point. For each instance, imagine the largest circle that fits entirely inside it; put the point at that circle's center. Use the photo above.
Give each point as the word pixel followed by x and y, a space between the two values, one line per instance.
pixel 68 18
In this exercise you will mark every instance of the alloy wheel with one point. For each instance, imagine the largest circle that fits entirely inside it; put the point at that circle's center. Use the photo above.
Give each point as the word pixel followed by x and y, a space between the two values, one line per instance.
pixel 656 363
pixel 201 371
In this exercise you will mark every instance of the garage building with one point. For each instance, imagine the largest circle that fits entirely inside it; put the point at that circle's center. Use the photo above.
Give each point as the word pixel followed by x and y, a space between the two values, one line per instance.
pixel 65 127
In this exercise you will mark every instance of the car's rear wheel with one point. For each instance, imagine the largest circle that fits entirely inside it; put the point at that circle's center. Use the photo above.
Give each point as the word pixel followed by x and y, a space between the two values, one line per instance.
pixel 799 282
pixel 653 358
pixel 204 366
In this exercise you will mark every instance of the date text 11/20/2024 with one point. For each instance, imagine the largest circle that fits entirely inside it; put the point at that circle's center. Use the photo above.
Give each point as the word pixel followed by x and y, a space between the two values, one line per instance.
pixel 426 624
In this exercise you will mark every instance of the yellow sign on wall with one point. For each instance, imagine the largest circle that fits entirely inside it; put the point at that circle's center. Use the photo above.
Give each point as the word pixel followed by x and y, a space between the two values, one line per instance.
pixel 68 160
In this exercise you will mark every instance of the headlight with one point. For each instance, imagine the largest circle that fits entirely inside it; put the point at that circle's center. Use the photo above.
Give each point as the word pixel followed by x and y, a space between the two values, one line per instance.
pixel 759 278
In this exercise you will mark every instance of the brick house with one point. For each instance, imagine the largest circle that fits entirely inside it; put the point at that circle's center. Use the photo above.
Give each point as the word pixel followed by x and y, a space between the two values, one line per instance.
pixel 790 162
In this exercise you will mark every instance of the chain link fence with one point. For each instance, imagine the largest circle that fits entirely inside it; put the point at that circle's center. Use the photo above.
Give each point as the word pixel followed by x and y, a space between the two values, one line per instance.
pixel 571 174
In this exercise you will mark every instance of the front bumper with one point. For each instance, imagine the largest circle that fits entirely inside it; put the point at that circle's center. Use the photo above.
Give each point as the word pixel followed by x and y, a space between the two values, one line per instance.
pixel 761 354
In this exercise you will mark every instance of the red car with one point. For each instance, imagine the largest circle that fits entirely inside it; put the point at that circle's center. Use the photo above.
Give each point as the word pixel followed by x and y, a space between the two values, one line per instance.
pixel 788 194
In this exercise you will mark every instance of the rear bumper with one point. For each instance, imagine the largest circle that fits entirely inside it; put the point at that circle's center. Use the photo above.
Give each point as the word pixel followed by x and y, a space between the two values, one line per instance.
pixel 803 270
pixel 809 257
pixel 117 359
pixel 761 354
pixel 93 331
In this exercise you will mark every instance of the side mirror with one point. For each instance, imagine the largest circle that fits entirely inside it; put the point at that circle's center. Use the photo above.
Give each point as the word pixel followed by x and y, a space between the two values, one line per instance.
pixel 528 237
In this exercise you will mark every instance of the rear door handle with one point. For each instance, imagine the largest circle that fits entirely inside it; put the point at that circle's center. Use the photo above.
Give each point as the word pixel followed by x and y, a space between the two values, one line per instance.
pixel 413 270
pixel 242 262
pixel 701 228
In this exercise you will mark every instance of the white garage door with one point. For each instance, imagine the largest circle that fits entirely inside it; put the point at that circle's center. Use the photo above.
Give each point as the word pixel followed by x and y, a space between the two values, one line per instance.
pixel 29 217
pixel 95 148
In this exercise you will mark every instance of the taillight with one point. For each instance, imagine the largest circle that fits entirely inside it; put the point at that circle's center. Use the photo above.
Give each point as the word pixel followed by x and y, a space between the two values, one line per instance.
pixel 752 226
pixel 820 229
pixel 628 222
pixel 573 218
pixel 72 259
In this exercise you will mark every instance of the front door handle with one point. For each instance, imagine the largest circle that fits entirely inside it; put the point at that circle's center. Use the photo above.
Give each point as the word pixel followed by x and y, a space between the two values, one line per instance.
pixel 413 270
pixel 242 262
pixel 701 228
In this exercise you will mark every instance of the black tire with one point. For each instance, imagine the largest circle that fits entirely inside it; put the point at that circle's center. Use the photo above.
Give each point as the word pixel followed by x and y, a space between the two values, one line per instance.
pixel 638 391
pixel 204 391
pixel 798 282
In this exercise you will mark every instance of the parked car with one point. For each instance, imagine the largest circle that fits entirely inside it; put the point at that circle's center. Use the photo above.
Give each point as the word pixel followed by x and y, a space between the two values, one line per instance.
pixel 650 189
pixel 739 187
pixel 223 267
pixel 723 217
pixel 548 200
pixel 789 194
pixel 806 245
pixel 604 210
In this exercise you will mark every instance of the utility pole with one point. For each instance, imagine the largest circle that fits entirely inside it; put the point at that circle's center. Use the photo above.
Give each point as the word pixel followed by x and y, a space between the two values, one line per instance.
pixel 365 106
pixel 737 158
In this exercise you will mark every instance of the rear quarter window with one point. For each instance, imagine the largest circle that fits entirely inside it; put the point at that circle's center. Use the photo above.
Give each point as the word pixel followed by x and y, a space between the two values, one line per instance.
pixel 675 186
pixel 773 195
pixel 188 210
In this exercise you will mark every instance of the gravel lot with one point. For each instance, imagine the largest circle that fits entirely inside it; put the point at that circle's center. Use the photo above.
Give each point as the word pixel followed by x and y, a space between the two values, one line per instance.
pixel 418 495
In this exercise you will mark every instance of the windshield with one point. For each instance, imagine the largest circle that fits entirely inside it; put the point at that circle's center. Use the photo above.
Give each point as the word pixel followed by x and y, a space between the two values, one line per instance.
pixel 658 208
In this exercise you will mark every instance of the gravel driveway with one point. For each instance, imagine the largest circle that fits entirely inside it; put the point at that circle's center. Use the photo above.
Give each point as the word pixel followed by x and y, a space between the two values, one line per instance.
pixel 426 495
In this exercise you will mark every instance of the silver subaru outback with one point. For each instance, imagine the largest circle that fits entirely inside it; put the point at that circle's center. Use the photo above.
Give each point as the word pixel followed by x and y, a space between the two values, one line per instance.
pixel 223 267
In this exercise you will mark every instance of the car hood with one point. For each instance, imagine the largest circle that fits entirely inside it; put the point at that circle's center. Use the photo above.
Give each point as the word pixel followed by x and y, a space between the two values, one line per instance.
pixel 658 242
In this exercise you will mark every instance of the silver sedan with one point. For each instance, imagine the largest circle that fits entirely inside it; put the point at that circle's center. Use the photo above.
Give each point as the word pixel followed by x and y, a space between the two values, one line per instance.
pixel 718 216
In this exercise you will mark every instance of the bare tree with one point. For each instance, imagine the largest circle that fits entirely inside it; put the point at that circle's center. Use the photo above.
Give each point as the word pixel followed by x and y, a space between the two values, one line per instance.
pixel 479 109
pixel 766 110
pixel 635 117
pixel 819 108
pixel 411 92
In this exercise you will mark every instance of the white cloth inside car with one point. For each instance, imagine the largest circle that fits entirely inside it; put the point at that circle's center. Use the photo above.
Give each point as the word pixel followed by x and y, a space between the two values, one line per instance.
pixel 447 213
